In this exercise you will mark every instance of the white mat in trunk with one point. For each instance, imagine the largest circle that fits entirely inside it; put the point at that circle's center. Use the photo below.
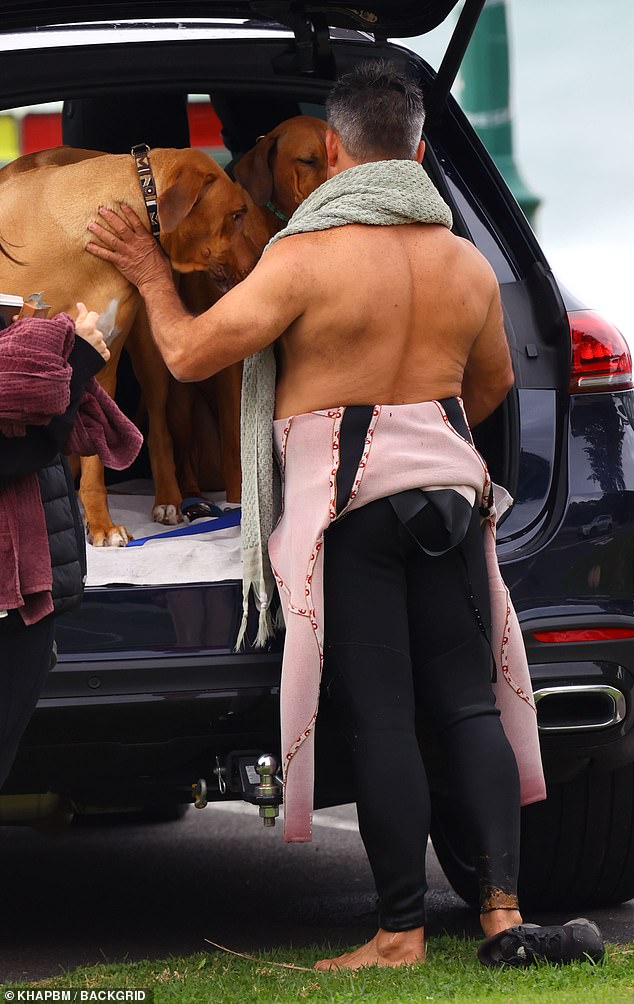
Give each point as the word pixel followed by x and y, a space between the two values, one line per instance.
pixel 205 557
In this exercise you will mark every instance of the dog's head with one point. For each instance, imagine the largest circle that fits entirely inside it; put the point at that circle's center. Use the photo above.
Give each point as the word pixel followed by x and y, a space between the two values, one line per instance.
pixel 202 214
pixel 286 164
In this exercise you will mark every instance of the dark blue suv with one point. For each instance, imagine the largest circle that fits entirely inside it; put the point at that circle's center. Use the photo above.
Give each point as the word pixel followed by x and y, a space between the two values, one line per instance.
pixel 148 696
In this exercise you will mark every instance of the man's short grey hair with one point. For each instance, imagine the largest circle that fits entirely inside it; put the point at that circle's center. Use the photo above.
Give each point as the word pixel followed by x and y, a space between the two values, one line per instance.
pixel 378 112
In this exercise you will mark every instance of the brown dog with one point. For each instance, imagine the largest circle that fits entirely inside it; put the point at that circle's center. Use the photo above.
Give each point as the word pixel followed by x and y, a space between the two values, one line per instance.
pixel 45 211
pixel 281 170
pixel 284 167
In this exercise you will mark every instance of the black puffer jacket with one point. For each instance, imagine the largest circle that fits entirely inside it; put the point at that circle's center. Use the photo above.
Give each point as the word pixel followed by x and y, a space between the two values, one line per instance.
pixel 66 538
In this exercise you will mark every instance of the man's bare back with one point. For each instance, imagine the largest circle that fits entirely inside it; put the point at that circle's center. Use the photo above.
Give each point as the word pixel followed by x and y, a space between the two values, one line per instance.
pixel 391 315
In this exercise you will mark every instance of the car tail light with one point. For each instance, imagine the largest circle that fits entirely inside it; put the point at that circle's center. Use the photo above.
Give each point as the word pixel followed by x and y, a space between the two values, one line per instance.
pixel 600 358
pixel 584 634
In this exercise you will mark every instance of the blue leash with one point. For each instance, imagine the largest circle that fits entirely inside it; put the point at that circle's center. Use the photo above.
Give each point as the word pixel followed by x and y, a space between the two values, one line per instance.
pixel 200 526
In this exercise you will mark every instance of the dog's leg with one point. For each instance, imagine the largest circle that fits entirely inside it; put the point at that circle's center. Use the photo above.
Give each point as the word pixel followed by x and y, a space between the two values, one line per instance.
pixel 227 386
pixel 153 377
pixel 208 450
pixel 201 461
pixel 102 532
pixel 180 416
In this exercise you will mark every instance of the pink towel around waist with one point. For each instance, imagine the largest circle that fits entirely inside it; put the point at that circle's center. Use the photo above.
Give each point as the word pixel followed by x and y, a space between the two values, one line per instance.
pixel 34 388
pixel 407 446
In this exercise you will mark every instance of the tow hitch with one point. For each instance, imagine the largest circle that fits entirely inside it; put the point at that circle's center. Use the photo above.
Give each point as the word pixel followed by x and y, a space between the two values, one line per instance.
pixel 251 775
pixel 268 793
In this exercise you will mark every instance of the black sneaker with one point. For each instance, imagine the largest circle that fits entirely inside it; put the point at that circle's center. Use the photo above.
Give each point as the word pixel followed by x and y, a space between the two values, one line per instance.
pixel 525 944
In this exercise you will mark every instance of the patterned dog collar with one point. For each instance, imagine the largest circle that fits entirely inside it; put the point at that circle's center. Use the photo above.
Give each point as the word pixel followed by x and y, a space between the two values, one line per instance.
pixel 141 154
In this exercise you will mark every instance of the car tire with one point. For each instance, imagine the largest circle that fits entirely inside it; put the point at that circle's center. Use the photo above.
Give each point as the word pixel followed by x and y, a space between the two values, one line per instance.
pixel 577 847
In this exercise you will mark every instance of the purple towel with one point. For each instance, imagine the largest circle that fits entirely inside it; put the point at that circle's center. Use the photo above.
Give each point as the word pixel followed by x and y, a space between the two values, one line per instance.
pixel 34 388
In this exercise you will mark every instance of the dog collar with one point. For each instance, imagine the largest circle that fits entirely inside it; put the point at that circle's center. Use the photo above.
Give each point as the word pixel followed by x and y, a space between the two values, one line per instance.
pixel 141 154
pixel 278 212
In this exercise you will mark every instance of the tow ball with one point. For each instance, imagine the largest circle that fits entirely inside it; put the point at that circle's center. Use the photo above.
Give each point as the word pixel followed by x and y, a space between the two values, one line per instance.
pixel 251 775
pixel 268 794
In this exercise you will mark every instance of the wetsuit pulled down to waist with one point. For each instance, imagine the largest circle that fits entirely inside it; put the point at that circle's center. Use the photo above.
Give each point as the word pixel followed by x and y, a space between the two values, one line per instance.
pixel 337 461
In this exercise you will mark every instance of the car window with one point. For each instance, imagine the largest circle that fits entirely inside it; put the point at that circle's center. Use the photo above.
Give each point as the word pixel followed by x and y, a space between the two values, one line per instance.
pixel 310 108
pixel 481 234
pixel 31 128
pixel 39 127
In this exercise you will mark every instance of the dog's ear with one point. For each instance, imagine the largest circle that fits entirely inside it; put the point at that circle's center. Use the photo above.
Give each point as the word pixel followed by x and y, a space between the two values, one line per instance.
pixel 254 172
pixel 188 185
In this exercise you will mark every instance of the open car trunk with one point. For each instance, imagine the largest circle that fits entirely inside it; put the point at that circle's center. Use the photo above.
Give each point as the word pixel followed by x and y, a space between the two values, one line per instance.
pixel 244 116
pixel 396 18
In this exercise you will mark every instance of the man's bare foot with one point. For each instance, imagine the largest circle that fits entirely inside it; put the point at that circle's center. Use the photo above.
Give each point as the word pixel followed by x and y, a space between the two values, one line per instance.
pixel 387 948
pixel 499 920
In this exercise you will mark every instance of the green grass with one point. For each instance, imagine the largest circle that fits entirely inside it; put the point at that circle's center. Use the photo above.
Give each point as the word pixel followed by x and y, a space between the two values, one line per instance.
pixel 451 973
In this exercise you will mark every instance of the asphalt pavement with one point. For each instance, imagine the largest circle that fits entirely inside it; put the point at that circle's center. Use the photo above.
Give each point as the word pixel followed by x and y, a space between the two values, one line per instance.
pixel 108 890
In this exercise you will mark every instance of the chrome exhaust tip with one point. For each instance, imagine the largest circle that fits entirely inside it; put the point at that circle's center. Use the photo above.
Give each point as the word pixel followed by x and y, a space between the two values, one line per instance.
pixel 579 707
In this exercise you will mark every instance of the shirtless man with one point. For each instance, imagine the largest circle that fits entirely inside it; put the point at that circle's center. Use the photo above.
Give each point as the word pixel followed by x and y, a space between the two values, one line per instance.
pixel 394 315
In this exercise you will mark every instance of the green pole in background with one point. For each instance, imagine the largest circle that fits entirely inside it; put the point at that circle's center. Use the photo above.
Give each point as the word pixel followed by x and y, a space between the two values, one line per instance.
pixel 485 97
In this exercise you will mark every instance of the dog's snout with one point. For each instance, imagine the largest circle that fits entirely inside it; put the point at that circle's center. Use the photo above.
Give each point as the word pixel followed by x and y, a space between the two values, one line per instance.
pixel 223 277
pixel 219 272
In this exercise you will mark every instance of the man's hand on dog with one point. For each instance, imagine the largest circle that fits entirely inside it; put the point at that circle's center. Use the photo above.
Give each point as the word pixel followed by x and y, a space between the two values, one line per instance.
pixel 127 245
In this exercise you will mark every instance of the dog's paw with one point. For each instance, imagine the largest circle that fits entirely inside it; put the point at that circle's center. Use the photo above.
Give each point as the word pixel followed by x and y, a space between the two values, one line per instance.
pixel 170 515
pixel 109 536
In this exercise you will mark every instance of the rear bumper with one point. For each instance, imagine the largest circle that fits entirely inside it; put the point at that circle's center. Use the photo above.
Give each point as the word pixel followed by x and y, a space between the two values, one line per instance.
pixel 589 721
pixel 125 730
pixel 115 728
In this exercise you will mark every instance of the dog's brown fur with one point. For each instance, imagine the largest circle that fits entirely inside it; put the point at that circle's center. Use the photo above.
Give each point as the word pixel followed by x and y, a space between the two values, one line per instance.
pixel 46 203
pixel 56 156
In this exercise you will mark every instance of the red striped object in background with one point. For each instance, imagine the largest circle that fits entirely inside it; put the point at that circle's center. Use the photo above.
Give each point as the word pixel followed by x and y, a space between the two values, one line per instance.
pixel 204 125
pixel 41 130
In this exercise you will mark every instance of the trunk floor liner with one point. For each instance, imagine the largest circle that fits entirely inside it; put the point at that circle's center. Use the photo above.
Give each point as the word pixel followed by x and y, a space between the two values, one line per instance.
pixel 206 557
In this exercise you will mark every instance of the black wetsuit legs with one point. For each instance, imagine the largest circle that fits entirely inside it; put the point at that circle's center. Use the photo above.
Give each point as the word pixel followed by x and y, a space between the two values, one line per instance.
pixel 401 630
